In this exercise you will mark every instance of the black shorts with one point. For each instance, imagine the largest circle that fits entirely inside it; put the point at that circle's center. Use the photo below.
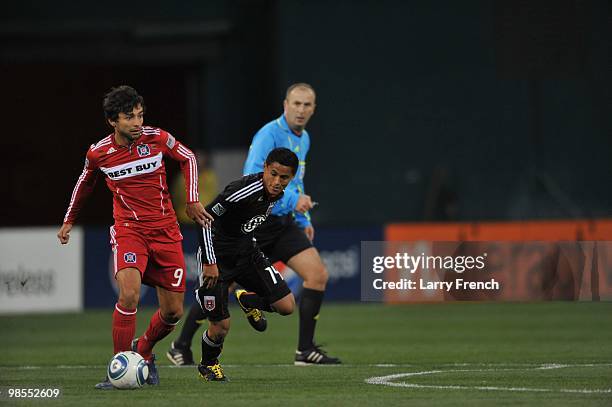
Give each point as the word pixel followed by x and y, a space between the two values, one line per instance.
pixel 253 272
pixel 280 238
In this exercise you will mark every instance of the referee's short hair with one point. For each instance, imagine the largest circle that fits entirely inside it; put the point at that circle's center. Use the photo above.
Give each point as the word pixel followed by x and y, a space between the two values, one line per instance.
pixel 302 85
pixel 285 157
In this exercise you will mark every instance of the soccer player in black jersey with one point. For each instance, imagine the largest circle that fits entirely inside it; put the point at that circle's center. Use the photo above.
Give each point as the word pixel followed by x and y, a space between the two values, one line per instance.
pixel 229 253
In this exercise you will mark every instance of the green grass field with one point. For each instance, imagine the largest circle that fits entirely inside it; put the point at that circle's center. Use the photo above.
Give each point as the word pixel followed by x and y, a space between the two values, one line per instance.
pixel 544 354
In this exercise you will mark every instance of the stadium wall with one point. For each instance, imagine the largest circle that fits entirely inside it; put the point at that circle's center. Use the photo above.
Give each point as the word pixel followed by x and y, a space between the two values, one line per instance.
pixel 533 261
pixel 37 274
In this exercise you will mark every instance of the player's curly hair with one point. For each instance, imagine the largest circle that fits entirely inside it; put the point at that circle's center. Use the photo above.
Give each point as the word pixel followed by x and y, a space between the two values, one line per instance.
pixel 121 99
pixel 285 157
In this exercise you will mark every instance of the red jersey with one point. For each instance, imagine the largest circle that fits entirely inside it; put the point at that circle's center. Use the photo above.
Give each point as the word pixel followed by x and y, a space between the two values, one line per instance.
pixel 136 175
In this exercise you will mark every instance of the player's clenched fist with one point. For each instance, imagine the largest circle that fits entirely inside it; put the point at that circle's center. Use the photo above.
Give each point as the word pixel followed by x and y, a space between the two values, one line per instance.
pixel 64 233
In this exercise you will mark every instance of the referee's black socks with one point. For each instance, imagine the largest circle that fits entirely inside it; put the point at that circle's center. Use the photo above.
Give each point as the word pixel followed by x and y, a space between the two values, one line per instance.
pixel 310 305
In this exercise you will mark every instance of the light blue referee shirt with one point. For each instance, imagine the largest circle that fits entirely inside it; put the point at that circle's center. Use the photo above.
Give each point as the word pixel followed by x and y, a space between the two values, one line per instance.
pixel 273 135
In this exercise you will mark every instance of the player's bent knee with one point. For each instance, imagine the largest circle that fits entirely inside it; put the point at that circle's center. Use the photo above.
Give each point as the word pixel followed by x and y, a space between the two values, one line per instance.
pixel 172 316
pixel 285 306
pixel 129 298
pixel 218 330
pixel 316 278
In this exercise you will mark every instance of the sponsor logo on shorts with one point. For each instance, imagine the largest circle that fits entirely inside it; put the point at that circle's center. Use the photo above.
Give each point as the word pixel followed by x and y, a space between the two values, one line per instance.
pixel 143 150
pixel 209 302
pixel 253 223
pixel 218 209
pixel 129 257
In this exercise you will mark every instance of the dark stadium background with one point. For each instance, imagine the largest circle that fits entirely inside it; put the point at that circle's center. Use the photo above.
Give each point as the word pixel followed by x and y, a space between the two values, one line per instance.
pixel 440 110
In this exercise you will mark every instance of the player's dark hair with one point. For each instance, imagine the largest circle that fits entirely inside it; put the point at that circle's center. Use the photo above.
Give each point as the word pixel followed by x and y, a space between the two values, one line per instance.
pixel 122 99
pixel 285 157
pixel 299 85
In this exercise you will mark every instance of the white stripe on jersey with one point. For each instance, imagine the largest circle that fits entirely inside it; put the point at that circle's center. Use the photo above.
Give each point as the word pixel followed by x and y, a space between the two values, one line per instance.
pixel 161 195
pixel 150 131
pixel 133 168
pixel 74 193
pixel 199 262
pixel 209 250
pixel 193 173
pixel 246 191
pixel 126 205
pixel 104 142
pixel 114 245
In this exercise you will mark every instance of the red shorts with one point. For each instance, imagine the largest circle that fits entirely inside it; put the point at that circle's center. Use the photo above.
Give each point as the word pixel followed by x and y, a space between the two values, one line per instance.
pixel 156 253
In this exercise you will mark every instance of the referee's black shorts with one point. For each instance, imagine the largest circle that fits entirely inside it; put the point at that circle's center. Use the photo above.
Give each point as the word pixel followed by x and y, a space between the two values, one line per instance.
pixel 280 238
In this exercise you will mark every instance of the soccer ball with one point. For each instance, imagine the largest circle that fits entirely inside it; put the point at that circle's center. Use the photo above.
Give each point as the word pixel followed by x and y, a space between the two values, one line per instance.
pixel 128 370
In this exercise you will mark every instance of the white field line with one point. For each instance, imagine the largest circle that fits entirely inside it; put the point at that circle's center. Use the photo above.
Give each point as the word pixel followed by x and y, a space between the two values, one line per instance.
pixel 499 366
pixel 388 380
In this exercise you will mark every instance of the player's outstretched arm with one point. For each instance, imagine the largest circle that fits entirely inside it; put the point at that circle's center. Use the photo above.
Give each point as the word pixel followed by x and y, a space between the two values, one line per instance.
pixel 64 233
pixel 196 211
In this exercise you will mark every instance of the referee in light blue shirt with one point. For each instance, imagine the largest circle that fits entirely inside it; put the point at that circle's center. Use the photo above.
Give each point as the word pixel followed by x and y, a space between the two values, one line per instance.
pixel 287 234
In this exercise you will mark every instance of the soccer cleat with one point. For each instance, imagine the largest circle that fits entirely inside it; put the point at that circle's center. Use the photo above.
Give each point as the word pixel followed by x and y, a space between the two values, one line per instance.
pixel 105 384
pixel 180 356
pixel 153 379
pixel 314 356
pixel 212 373
pixel 255 317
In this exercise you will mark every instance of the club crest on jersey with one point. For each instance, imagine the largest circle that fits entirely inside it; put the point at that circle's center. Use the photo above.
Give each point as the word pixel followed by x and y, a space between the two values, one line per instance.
pixel 129 257
pixel 143 150
pixel 209 302
pixel 251 225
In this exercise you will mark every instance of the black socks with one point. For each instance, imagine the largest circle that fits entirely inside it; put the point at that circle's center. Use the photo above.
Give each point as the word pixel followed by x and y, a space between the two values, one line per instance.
pixel 310 304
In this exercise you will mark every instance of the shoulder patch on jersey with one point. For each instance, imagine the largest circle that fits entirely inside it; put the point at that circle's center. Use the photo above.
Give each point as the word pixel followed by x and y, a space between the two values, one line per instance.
pixel 171 141
pixel 218 209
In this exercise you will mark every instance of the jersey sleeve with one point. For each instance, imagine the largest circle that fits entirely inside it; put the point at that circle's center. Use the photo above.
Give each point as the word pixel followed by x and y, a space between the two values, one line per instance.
pixel 187 160
pixel 83 188
pixel 219 207
pixel 302 219
pixel 262 144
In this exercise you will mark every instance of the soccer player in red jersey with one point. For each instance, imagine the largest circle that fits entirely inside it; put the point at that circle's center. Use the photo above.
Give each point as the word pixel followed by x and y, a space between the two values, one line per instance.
pixel 145 239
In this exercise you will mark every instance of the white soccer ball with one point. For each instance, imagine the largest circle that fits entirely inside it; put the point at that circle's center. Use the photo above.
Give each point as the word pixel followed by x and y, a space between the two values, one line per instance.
pixel 128 370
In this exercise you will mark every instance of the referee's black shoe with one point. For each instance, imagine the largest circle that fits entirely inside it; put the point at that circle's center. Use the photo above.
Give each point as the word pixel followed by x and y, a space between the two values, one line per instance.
pixel 314 356
pixel 256 317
